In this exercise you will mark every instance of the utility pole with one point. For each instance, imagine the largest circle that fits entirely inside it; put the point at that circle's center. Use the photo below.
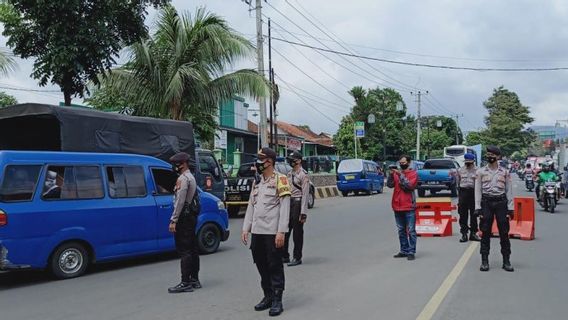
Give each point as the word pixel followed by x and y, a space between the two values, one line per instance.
pixel 458 127
pixel 271 80
pixel 418 124
pixel 260 57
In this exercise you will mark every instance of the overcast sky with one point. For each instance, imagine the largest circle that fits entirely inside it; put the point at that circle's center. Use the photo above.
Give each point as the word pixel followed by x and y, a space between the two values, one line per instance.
pixel 478 34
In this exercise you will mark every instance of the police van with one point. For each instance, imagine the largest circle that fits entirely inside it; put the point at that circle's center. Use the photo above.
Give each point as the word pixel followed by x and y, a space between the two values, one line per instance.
pixel 63 211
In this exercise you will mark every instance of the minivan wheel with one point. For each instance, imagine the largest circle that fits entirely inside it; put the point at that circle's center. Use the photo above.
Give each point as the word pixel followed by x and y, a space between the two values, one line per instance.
pixel 344 193
pixel 208 238
pixel 69 260
pixel 311 199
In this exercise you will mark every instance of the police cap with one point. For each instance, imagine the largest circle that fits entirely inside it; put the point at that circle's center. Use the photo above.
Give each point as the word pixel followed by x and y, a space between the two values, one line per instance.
pixel 266 153
pixel 296 155
pixel 494 149
pixel 180 157
pixel 469 157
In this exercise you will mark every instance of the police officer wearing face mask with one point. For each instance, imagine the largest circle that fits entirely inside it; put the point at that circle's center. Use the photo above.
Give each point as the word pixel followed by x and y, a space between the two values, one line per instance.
pixel 268 218
pixel 466 205
pixel 300 184
pixel 183 223
pixel 494 200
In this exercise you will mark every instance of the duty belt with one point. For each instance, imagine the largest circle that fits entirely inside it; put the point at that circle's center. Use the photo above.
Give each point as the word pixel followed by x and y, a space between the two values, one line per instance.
pixel 487 197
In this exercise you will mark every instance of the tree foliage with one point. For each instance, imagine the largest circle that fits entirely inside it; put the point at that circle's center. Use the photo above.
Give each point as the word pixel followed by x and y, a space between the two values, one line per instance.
pixel 506 123
pixel 7 100
pixel 179 72
pixel 393 128
pixel 72 41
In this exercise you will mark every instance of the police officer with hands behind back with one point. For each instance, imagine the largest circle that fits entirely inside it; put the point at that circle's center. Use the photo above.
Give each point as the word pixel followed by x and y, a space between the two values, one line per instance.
pixel 183 223
pixel 300 184
pixel 267 218
pixel 466 205
pixel 494 200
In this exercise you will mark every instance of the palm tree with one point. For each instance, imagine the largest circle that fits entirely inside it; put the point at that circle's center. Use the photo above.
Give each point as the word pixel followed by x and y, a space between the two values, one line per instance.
pixel 7 63
pixel 182 67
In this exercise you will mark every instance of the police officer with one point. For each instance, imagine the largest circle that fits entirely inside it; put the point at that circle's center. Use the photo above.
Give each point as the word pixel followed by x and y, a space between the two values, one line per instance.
pixel 300 184
pixel 466 205
pixel 182 224
pixel 267 218
pixel 494 200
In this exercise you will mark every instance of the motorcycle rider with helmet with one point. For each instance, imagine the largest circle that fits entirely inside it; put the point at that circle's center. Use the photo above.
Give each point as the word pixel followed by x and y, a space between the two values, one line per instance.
pixel 545 175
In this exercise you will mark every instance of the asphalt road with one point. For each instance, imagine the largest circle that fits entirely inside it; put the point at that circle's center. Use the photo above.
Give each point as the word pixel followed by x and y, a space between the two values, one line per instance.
pixel 348 272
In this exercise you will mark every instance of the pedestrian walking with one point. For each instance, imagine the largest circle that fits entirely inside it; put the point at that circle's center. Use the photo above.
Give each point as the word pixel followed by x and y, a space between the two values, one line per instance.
pixel 300 185
pixel 466 203
pixel 268 219
pixel 404 182
pixel 183 223
pixel 494 201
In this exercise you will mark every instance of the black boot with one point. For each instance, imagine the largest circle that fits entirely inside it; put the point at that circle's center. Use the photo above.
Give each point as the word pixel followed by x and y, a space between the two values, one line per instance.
pixel 266 302
pixel 464 237
pixel 507 264
pixel 474 237
pixel 277 307
pixel 484 263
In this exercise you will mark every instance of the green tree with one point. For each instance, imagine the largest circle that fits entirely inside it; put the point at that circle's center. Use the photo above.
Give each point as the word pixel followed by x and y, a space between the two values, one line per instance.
pixel 391 132
pixel 474 138
pixel 506 122
pixel 7 100
pixel 179 72
pixel 72 41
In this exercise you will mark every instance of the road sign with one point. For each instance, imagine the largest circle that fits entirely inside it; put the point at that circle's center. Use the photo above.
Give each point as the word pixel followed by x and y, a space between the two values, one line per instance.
pixel 360 129
pixel 371 118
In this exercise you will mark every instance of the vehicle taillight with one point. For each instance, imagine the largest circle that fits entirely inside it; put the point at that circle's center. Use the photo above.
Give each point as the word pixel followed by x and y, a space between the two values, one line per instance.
pixel 3 218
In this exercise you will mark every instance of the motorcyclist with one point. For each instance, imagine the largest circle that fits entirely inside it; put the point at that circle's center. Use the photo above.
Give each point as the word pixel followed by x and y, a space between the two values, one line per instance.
pixel 546 175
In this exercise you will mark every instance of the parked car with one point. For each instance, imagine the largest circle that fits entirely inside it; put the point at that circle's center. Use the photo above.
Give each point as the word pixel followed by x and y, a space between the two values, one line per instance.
pixel 318 164
pixel 237 189
pixel 357 175
pixel 63 211
pixel 438 175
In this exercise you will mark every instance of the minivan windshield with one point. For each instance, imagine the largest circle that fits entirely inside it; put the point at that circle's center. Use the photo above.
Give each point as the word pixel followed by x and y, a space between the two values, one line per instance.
pixel 455 152
pixel 351 165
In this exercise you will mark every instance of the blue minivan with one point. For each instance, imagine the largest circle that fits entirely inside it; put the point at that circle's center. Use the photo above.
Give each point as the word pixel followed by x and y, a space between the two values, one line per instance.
pixel 63 211
pixel 359 175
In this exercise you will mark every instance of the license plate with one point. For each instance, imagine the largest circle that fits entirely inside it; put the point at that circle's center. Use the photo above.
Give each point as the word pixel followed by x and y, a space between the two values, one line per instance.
pixel 349 177
pixel 433 182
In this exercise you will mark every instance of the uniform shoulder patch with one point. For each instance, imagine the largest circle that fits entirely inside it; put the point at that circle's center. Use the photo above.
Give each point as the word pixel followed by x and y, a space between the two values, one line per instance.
pixel 283 180
pixel 283 186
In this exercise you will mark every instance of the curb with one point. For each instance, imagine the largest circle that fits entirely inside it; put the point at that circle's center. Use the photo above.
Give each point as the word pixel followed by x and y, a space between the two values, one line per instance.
pixel 327 192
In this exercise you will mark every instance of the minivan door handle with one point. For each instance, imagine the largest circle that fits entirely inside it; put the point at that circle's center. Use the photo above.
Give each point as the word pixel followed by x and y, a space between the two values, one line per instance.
pixel 165 206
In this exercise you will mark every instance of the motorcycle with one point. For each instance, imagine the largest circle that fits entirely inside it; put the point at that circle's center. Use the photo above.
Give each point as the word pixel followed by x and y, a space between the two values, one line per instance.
pixel 548 196
pixel 529 182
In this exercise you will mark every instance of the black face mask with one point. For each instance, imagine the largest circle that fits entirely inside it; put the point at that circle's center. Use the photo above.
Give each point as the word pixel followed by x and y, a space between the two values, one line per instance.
pixel 403 166
pixel 260 166
pixel 292 162
pixel 491 159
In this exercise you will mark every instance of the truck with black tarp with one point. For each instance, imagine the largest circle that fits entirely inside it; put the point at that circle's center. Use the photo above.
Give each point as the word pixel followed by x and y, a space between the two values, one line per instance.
pixel 41 127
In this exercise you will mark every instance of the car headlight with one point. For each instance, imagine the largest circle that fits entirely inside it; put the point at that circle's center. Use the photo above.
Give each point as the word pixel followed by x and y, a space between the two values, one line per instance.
pixel 220 205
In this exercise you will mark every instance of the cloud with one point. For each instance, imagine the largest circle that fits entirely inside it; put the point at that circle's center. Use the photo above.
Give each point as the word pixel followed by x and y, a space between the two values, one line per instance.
pixel 483 33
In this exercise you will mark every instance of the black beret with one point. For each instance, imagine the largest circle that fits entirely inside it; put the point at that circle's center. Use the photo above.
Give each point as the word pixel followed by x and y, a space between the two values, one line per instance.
pixel 265 153
pixel 296 155
pixel 494 149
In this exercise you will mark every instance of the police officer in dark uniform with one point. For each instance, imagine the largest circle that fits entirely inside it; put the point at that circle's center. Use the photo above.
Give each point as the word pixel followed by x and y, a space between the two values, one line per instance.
pixel 267 218
pixel 466 205
pixel 300 184
pixel 183 223
pixel 494 200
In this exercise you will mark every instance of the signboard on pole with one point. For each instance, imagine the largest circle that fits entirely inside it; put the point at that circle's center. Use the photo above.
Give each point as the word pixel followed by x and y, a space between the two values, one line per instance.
pixel 294 144
pixel 359 129
pixel 221 139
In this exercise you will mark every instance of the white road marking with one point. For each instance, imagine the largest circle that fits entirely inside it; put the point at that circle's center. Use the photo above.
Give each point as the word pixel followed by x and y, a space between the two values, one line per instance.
pixel 438 297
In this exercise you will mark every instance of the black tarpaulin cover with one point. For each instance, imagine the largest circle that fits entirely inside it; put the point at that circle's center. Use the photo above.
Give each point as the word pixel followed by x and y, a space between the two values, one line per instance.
pixel 47 127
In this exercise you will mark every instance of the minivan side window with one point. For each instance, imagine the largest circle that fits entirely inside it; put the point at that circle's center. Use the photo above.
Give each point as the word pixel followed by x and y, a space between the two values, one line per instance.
pixel 19 183
pixel 126 182
pixel 72 182
pixel 208 164
pixel 164 180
